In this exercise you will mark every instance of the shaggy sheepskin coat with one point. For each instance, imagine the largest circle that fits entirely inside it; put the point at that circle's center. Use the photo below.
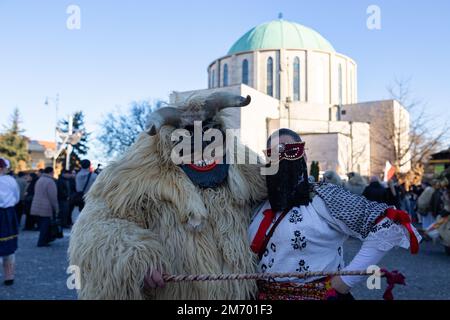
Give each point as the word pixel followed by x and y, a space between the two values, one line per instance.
pixel 144 213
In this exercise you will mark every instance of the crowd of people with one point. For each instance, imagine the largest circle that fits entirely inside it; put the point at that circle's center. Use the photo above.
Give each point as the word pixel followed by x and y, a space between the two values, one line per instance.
pixel 35 201
pixel 425 203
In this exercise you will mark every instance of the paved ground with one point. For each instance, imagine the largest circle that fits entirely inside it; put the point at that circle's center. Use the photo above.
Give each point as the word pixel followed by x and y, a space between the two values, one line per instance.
pixel 427 274
pixel 41 272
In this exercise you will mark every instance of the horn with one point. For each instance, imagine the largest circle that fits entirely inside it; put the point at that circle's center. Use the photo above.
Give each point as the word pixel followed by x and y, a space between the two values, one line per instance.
pixel 161 117
pixel 246 101
pixel 222 100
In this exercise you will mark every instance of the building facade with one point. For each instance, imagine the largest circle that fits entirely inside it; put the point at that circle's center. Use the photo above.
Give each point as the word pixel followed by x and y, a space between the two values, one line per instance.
pixel 39 153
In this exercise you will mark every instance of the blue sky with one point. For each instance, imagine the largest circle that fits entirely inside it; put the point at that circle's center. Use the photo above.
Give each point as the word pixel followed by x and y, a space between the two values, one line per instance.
pixel 135 50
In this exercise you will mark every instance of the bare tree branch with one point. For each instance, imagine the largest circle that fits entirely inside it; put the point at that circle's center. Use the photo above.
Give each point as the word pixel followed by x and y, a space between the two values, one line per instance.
pixel 120 130
pixel 422 143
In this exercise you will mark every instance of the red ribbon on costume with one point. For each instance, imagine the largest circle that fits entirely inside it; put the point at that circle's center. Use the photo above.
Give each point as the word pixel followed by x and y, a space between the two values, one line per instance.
pixel 403 218
pixel 260 236
pixel 392 279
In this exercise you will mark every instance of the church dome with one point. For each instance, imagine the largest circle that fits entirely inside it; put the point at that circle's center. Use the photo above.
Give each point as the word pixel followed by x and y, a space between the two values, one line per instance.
pixel 281 34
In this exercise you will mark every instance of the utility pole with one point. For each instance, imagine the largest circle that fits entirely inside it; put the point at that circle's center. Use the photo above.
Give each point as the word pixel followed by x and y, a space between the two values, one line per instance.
pixel 69 139
pixel 56 103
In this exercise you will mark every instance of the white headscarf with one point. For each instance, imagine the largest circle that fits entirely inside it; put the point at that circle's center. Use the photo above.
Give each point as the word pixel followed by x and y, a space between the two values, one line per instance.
pixel 9 189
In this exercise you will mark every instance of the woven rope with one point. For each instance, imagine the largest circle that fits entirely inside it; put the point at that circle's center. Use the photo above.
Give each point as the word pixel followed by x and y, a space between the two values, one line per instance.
pixel 261 276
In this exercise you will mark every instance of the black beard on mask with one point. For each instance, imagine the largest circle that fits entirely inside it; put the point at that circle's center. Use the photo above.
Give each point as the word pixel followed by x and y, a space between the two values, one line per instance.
pixel 289 187
pixel 211 179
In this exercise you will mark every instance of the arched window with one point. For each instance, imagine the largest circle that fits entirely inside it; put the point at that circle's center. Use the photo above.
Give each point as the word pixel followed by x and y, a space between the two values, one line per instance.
pixel 225 75
pixel 270 76
pixel 245 71
pixel 340 83
pixel 296 79
pixel 213 79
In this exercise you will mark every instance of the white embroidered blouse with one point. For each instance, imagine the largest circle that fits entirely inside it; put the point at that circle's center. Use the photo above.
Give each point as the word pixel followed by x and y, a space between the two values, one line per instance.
pixel 309 238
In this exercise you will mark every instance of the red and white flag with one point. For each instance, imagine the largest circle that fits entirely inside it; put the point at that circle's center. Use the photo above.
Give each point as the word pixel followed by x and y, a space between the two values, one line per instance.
pixel 389 171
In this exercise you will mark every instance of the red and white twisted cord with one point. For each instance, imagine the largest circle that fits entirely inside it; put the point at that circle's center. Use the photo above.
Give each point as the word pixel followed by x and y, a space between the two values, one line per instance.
pixel 262 276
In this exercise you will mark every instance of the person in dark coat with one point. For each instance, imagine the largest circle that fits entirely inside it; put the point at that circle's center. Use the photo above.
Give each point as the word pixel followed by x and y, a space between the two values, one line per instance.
pixel 30 221
pixel 20 207
pixel 394 193
pixel 437 204
pixel 66 188
pixel 375 191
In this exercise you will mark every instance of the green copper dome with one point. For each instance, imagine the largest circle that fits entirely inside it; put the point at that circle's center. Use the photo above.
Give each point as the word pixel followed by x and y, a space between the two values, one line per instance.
pixel 281 34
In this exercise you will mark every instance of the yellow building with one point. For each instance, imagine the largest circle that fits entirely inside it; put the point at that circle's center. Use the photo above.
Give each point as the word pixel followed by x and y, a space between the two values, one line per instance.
pixel 40 153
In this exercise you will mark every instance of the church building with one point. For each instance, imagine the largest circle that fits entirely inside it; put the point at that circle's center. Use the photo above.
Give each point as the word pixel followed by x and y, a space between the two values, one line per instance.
pixel 297 80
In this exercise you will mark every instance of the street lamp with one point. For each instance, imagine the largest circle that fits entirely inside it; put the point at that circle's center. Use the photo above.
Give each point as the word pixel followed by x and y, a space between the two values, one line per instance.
pixel 55 101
